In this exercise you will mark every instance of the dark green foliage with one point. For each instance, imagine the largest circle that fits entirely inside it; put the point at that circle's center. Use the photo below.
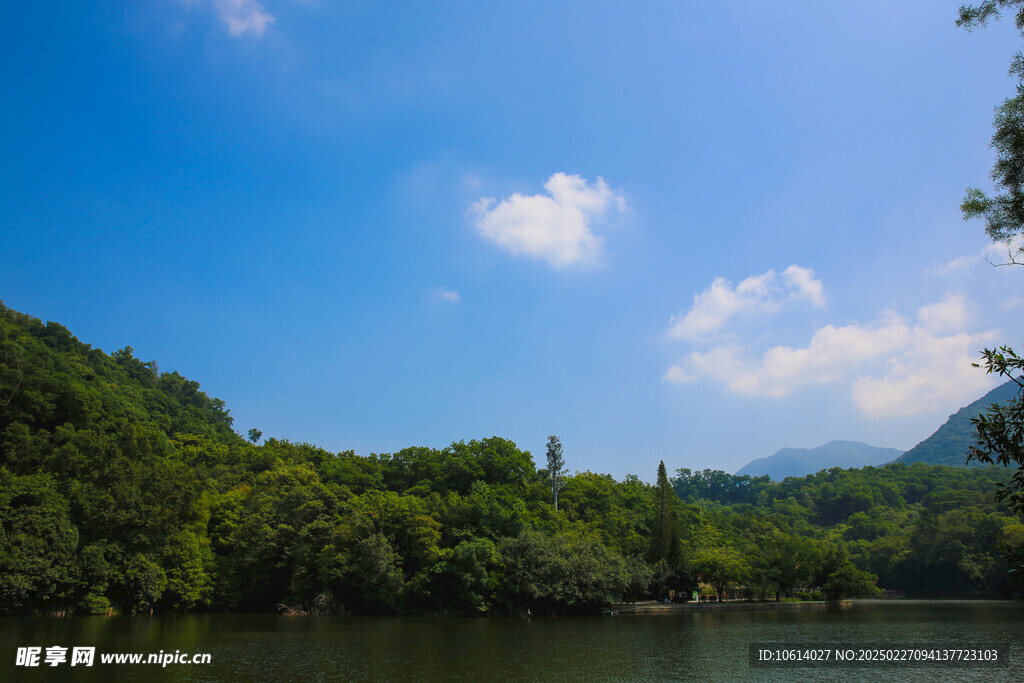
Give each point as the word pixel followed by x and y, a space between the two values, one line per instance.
pixel 374 576
pixel 37 541
pixel 1001 431
pixel 559 574
pixel 790 530
pixel 663 538
pixel 717 485
pixel 469 576
pixel 846 581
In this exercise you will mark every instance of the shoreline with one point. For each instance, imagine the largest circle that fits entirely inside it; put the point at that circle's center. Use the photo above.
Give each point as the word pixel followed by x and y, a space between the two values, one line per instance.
pixel 742 605
pixel 643 607
pixel 661 608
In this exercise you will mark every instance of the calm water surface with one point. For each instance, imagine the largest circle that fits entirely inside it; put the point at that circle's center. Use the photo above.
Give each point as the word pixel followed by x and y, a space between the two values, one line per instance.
pixel 706 645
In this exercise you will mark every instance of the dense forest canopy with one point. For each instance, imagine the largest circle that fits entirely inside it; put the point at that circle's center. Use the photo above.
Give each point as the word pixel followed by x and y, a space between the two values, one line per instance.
pixel 126 489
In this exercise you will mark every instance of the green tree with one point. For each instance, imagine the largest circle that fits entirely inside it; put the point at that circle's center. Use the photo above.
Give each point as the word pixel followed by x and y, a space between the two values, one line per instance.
pixel 849 582
pixel 719 567
pixel 638 578
pixel 189 565
pixel 37 539
pixel 255 435
pixel 267 549
pixel 560 573
pixel 140 584
pixel 1001 430
pixel 1002 212
pixel 375 576
pixel 467 576
pixel 556 466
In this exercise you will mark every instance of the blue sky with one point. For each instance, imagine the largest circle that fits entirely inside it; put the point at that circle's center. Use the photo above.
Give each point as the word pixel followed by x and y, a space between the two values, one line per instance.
pixel 696 232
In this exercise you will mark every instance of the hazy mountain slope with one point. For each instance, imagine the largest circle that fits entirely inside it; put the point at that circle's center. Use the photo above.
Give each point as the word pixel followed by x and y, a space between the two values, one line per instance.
pixel 797 462
pixel 950 442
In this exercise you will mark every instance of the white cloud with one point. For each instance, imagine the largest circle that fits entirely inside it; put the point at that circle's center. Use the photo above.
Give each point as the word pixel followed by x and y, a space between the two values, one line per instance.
pixel 894 367
pixel 764 293
pixel 950 314
pixel 445 294
pixel 243 16
pixel 833 352
pixel 933 375
pixel 556 227
pixel 803 285
pixel 723 363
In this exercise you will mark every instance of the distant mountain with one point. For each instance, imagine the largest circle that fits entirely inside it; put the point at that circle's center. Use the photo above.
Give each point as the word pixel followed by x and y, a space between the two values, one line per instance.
pixel 799 462
pixel 950 442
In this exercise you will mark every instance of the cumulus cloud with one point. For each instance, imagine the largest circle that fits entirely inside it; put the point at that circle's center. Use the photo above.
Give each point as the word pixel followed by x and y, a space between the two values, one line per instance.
pixel 950 314
pixel 556 227
pixel 768 292
pixel 894 366
pixel 934 375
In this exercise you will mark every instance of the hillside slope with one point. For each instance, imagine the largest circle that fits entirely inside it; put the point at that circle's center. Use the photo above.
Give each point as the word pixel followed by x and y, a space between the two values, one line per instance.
pixel 50 381
pixel 950 442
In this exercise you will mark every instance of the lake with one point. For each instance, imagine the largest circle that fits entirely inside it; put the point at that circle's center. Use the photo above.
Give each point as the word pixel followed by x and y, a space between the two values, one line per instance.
pixel 708 644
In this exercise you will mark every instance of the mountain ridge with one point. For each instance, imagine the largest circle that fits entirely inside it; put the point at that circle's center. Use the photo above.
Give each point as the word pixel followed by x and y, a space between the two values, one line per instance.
pixel 798 462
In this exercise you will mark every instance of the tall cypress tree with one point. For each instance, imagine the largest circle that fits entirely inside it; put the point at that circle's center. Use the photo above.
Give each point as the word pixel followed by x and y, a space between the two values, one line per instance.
pixel 662 541
pixel 556 466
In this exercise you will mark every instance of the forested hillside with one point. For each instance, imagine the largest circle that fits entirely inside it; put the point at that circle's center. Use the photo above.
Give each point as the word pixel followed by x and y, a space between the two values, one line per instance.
pixel 925 530
pixel 951 442
pixel 125 489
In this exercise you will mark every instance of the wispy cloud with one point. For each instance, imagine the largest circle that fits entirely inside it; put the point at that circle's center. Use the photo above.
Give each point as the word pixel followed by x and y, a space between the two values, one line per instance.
pixel 556 227
pixel 768 292
pixel 959 264
pixel 998 253
pixel 894 366
pixel 1011 303
pixel 242 17
pixel 445 294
